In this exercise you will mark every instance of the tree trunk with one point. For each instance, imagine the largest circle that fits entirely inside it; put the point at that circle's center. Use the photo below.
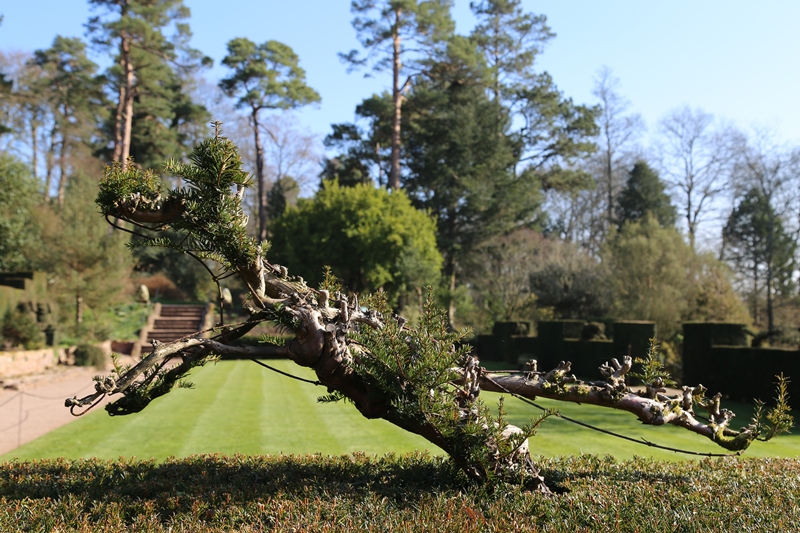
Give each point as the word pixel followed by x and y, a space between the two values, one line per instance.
pixel 262 187
pixel 397 100
pixel 450 273
pixel 35 151
pixel 124 114
pixel 770 281
pixel 609 178
pixel 62 167
pixel 690 221
pixel 79 309
pixel 48 171
pixel 118 120
pixel 129 94
pixel 756 316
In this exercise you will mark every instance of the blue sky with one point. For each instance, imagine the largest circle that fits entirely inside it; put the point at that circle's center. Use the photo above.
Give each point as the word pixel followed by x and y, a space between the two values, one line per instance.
pixel 735 59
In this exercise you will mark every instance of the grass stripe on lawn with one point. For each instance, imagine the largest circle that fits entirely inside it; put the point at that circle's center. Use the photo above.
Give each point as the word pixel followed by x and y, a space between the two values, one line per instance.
pixel 235 407
pixel 239 407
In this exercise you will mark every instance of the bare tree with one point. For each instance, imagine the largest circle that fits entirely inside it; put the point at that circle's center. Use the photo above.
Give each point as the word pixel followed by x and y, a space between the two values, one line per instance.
pixel 697 156
pixel 418 376
pixel 619 131
pixel 31 116
pixel 290 151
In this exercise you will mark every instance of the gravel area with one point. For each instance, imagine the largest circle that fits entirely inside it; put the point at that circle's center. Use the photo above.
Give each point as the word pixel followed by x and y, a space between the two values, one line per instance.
pixel 33 405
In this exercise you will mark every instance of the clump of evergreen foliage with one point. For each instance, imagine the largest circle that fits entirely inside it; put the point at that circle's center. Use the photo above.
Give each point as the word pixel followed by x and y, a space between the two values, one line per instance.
pixel 90 355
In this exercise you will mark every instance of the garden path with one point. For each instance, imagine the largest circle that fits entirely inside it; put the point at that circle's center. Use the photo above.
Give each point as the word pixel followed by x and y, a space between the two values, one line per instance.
pixel 33 405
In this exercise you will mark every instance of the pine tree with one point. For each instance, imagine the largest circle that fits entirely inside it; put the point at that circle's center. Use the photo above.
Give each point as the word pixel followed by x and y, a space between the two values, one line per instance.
pixel 643 194
pixel 391 31
pixel 146 88
pixel 89 264
pixel 758 246
pixel 75 91
pixel 510 40
pixel 19 195
pixel 265 76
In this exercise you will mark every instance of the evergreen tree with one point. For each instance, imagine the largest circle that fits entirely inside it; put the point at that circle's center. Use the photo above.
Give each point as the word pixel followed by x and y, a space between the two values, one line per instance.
pixel 643 194
pixel 459 167
pixel 265 76
pixel 377 237
pixel 510 40
pixel 6 85
pixel 760 249
pixel 391 30
pixel 362 150
pixel 19 195
pixel 69 80
pixel 149 93
pixel 281 195
pixel 89 264
pixel 553 133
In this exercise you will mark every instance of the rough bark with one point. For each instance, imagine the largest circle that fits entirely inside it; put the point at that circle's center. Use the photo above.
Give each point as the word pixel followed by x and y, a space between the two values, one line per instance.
pixel 124 114
pixel 262 186
pixel 397 100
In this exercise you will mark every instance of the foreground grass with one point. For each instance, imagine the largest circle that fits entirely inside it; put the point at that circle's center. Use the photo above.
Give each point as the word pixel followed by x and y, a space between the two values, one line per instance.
pixel 239 407
pixel 411 493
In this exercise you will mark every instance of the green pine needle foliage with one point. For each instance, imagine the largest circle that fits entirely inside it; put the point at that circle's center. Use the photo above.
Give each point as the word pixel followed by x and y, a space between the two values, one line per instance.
pixel 206 211
pixel 652 369
pixel 413 365
pixel 779 419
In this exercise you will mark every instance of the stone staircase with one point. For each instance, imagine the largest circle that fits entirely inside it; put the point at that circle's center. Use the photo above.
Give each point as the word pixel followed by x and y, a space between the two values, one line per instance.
pixel 176 321
pixel 170 322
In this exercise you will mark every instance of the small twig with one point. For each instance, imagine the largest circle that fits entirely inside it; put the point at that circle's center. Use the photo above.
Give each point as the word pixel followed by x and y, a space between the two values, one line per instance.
pixel 72 408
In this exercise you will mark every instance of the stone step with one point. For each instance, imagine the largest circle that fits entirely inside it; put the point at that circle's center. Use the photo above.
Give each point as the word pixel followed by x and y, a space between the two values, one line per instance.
pixel 176 321
pixel 166 323
pixel 182 310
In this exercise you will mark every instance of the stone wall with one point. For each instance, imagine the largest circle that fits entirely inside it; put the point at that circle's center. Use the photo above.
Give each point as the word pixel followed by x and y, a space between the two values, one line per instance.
pixel 22 362
pixel 19 363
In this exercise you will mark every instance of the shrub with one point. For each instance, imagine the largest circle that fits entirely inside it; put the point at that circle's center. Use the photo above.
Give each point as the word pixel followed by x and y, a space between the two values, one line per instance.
pixel 89 355
pixel 19 329
pixel 215 494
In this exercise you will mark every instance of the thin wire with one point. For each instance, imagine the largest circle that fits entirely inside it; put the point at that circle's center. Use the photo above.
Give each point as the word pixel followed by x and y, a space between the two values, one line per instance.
pixel 613 434
pixel 298 378
pixel 11 398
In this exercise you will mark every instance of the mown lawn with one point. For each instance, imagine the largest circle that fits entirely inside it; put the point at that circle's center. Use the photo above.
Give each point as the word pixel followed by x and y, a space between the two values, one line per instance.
pixel 239 407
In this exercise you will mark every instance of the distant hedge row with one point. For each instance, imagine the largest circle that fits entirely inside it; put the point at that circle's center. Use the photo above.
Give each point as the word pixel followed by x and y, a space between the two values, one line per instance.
pixel 410 493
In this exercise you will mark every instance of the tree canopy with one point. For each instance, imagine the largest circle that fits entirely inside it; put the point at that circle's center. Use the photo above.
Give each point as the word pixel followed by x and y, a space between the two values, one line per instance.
pixel 645 193
pixel 382 242
pixel 19 194
pixel 265 76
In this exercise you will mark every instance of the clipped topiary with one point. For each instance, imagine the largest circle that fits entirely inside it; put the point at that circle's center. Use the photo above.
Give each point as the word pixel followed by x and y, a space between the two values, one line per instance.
pixel 90 355
pixel 19 329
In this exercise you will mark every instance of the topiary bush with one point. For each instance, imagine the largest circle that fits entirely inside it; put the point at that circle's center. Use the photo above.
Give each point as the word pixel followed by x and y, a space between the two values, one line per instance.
pixel 19 329
pixel 89 355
